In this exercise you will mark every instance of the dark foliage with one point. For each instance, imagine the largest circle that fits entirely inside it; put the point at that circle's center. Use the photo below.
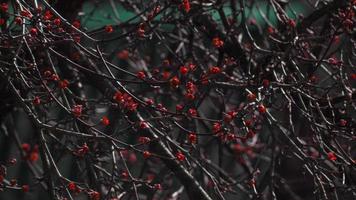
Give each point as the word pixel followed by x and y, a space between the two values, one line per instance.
pixel 183 99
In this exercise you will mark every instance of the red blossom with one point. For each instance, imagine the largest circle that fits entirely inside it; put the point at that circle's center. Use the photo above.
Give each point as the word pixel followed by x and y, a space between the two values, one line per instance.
pixel 25 13
pixel 47 15
pixel 26 147
pixel 4 7
pixel 265 83
pixel 179 107
pixel 147 154
pixel 144 140
pixel 132 158
pixel 270 30
pixel 54 77
pixel 166 75
pixel 334 61
pixel 262 109
pixel 149 102
pixel 57 21
pixel 251 97
pixel 12 161
pixel 141 32
pixel 47 73
pixel 76 39
pixel 336 39
pixel 13 182
pixel 292 23
pixel 25 188
pixel 184 70
pixel 189 96
pixel 123 55
pixel 252 22
pixel 141 75
pixel 332 156
pixel 105 121
pixel 248 122
pixel 186 5
pixel 192 112
pixel 77 110
pixel 131 105
pixel 36 100
pixel 33 157
pixel 2 21
pixel 191 88
pixel 63 84
pixel 217 42
pixel 76 24
pixel 353 76
pixel 158 186
pixel 94 195
pixel 143 125
pixel 215 70
pixel 175 81
pixel 192 137
pixel 239 148
pixel 216 127
pixel 229 116
pixel 124 174
pixel 230 137
pixel 18 20
pixel 33 31
pixel 118 97
pixel 180 156
pixel 72 186
pixel 191 66
pixel 342 122
pixel 109 29
pixel 81 151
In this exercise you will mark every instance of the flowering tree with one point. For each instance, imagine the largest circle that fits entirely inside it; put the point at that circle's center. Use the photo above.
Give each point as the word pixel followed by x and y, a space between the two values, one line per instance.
pixel 183 99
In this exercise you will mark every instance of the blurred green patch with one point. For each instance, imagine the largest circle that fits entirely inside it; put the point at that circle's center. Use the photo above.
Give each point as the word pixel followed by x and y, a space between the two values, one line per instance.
pixel 100 14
